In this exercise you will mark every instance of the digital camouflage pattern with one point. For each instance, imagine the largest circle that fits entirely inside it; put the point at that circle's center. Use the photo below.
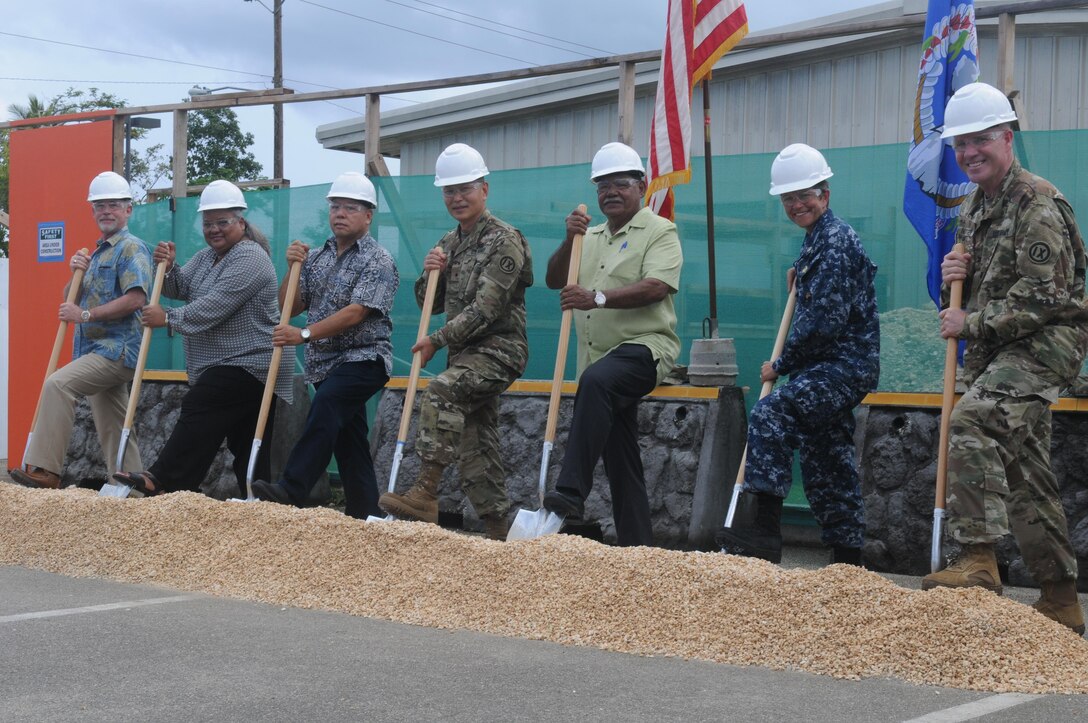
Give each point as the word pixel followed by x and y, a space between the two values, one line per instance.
pixel 482 292
pixel 458 422
pixel 1027 334
pixel 832 356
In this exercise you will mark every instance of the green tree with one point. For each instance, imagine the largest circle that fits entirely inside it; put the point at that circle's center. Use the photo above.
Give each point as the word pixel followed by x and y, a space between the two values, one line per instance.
pixel 218 149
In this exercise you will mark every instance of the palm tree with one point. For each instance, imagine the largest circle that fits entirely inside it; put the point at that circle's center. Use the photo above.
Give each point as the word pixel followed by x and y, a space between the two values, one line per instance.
pixel 35 108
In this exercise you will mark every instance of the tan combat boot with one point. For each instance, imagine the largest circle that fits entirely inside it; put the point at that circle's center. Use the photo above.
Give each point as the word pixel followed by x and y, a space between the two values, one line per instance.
pixel 496 526
pixel 1059 602
pixel 975 567
pixel 421 501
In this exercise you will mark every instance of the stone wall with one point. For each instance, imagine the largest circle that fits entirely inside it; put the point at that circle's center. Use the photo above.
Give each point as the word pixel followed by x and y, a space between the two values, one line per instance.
pixel 687 446
pixel 156 414
pixel 898 461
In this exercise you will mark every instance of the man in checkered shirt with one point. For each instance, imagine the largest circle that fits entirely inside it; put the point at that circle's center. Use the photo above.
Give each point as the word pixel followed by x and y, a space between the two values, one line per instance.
pixel 347 285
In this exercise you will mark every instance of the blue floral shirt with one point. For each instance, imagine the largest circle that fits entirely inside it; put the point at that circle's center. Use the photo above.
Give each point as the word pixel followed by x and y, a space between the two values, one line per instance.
pixel 366 275
pixel 119 264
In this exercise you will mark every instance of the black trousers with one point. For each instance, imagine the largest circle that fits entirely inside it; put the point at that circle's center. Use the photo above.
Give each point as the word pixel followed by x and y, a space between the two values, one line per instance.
pixel 605 425
pixel 223 404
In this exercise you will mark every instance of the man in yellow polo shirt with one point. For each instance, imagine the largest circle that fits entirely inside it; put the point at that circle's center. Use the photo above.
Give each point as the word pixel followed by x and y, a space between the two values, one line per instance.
pixel 627 343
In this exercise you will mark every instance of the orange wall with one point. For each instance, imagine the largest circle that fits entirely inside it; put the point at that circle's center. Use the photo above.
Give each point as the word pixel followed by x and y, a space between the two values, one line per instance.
pixel 50 171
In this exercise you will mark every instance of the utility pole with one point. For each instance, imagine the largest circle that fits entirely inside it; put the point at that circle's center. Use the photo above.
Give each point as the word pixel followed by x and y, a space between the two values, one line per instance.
pixel 277 82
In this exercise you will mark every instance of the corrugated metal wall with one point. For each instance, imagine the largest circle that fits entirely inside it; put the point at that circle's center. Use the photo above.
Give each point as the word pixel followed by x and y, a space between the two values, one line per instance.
pixel 856 95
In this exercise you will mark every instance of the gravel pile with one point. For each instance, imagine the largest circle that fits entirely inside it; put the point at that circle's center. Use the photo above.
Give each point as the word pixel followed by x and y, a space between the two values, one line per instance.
pixel 839 621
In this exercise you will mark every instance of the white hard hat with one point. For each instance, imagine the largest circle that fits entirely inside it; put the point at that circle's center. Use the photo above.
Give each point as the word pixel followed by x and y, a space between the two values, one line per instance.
pixel 459 164
pixel 109 185
pixel 796 167
pixel 221 194
pixel 615 158
pixel 353 185
pixel 976 107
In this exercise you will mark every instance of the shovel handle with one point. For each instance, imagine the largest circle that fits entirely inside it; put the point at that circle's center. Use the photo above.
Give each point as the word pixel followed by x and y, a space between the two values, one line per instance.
pixel 145 345
pixel 768 387
pixel 417 358
pixel 74 289
pixel 948 399
pixel 277 353
pixel 564 338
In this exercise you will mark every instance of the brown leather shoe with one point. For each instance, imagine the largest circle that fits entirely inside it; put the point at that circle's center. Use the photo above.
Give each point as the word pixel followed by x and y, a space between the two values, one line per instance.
pixel 37 477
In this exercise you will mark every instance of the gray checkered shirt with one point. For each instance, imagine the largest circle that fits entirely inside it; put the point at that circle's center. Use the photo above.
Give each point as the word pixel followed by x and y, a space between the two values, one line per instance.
pixel 232 307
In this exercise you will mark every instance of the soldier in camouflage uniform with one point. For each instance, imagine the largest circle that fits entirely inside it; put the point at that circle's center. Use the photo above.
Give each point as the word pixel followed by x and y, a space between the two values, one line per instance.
pixel 1026 329
pixel 485 268
pixel 832 356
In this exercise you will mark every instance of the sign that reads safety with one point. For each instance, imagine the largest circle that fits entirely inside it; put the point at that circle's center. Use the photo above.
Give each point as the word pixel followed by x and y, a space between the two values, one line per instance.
pixel 51 241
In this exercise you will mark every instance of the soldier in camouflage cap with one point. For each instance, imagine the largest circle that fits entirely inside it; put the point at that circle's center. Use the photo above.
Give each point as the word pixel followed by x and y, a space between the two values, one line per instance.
pixel 832 356
pixel 1026 329
pixel 485 268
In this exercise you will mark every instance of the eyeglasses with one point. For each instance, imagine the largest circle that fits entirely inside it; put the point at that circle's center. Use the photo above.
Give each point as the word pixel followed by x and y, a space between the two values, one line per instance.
pixel 811 194
pixel 108 205
pixel 462 191
pixel 222 224
pixel 346 207
pixel 620 184
pixel 960 144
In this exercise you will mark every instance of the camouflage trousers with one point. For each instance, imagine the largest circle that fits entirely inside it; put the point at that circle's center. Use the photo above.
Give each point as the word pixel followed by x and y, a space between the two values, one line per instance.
pixel 999 478
pixel 458 422
pixel 812 412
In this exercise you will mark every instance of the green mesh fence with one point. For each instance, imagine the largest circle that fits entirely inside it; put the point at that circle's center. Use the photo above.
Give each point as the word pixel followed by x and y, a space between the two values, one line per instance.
pixel 754 245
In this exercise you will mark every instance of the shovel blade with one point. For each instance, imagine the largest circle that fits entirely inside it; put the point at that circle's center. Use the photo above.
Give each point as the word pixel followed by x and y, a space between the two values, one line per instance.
pixel 375 518
pixel 114 489
pixel 529 525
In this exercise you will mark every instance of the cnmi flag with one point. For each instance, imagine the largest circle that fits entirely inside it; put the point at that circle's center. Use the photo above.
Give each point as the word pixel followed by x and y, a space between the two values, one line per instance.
pixel 699 32
pixel 935 185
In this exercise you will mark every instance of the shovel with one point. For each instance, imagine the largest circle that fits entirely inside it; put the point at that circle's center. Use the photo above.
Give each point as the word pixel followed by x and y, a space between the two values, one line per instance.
pixel 270 382
pixel 955 301
pixel 779 344
pixel 114 488
pixel 74 288
pixel 528 525
pixel 410 392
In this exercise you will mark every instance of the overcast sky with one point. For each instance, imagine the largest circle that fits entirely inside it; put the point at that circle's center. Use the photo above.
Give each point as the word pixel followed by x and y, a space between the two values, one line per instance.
pixel 49 45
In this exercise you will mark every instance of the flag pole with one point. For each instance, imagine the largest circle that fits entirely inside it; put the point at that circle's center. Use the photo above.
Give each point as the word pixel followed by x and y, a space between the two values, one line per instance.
pixel 709 209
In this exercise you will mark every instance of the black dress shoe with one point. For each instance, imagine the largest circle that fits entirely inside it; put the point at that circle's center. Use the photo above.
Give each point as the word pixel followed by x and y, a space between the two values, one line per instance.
pixel 564 505
pixel 271 492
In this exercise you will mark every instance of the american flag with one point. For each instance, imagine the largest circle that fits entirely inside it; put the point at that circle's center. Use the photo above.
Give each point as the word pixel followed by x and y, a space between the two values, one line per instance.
pixel 699 32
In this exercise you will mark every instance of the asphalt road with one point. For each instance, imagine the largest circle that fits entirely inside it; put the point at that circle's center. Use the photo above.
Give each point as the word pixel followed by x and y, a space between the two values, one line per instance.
pixel 93 650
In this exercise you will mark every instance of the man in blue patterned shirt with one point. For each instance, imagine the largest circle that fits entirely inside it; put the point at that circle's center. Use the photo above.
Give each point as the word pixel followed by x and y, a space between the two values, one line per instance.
pixel 832 356
pixel 347 285
pixel 107 341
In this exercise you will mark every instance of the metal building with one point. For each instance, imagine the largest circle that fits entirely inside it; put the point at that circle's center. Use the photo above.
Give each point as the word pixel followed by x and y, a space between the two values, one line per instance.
pixel 856 90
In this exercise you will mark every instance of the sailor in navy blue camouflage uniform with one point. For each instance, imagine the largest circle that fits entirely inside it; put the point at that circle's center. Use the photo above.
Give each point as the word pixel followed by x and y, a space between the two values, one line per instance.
pixel 832 357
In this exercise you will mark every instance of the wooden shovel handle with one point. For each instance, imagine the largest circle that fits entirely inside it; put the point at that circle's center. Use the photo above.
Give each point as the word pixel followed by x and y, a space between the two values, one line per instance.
pixel 779 345
pixel 948 398
pixel 564 338
pixel 277 351
pixel 417 358
pixel 74 289
pixel 145 344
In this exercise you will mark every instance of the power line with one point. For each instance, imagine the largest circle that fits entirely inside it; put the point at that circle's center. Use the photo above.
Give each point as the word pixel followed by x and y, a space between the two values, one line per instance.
pixel 162 60
pixel 130 82
pixel 513 27
pixel 413 32
pixel 491 30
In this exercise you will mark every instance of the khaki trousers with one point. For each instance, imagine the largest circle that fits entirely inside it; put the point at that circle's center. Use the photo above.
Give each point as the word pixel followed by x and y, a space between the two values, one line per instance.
pixel 105 385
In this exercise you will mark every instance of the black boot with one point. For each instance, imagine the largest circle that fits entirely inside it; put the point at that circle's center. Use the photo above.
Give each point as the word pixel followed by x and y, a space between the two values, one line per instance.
pixel 846 556
pixel 756 530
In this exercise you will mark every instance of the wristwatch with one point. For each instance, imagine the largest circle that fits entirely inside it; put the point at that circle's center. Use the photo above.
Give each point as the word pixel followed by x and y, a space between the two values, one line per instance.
pixel 85 316
pixel 599 299
pixel 305 335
